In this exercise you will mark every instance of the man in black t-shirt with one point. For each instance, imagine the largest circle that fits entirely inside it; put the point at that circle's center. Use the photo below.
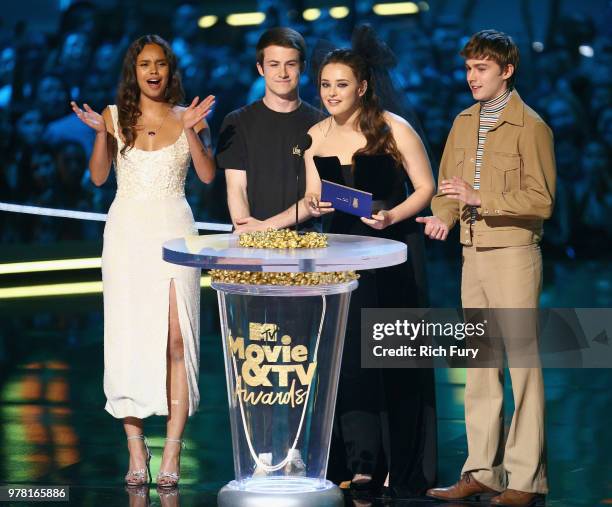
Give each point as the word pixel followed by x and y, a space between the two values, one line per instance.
pixel 256 143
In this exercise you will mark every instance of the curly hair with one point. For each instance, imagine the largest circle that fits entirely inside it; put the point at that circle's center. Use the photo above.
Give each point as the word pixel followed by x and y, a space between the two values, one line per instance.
pixel 128 94
pixel 371 120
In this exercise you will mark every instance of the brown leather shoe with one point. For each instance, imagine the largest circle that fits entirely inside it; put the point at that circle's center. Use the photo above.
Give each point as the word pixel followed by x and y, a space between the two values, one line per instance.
pixel 466 488
pixel 515 498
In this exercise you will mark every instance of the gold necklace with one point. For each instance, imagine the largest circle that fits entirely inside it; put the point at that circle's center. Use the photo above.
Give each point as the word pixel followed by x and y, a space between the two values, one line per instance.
pixel 155 131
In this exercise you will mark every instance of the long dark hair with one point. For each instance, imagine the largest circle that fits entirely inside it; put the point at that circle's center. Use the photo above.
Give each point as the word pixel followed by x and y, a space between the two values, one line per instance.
pixel 371 120
pixel 128 95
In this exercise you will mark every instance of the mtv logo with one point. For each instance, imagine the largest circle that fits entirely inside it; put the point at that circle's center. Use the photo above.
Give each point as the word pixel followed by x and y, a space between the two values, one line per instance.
pixel 262 332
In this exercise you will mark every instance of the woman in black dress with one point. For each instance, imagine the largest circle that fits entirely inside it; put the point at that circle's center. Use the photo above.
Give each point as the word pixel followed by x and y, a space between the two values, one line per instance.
pixel 386 417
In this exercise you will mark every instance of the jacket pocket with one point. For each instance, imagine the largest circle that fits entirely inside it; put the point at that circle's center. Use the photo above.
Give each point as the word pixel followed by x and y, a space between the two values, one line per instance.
pixel 507 172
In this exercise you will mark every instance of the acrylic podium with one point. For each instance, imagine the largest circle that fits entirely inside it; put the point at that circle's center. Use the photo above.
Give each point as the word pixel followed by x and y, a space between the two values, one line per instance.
pixel 283 347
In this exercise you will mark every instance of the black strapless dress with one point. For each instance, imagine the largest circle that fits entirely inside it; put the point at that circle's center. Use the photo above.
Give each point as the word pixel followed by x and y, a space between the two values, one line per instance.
pixel 385 418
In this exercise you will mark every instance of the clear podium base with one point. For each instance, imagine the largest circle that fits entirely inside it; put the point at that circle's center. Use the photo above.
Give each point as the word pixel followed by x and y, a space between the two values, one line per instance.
pixel 281 492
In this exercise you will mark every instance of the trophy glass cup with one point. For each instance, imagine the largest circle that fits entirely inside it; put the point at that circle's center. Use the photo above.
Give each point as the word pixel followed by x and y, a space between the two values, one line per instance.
pixel 282 346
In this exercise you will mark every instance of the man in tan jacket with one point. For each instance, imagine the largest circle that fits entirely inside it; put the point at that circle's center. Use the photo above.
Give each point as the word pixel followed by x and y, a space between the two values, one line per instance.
pixel 497 178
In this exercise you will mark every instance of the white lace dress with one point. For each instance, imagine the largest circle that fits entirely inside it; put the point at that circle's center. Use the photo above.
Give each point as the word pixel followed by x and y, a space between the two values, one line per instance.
pixel 149 208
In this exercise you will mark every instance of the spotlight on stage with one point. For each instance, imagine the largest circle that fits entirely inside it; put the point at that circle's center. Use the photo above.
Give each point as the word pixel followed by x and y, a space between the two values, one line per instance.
pixel 207 21
pixel 246 18
pixel 587 51
pixel 395 8
pixel 339 12
pixel 311 14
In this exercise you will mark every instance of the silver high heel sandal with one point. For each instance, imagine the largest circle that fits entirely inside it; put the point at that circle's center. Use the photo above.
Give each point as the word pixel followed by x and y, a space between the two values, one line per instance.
pixel 140 477
pixel 170 479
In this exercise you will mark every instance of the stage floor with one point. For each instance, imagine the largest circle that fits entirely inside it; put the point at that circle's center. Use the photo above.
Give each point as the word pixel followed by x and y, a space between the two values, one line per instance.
pixel 54 431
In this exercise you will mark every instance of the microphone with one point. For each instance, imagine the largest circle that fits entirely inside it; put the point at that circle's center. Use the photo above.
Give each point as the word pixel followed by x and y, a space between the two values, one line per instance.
pixel 298 151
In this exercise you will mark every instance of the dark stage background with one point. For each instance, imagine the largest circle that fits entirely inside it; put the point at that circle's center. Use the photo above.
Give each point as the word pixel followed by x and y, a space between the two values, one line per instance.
pixel 53 429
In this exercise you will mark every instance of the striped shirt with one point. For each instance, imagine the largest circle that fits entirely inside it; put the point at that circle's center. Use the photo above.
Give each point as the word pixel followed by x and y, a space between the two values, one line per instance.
pixel 490 112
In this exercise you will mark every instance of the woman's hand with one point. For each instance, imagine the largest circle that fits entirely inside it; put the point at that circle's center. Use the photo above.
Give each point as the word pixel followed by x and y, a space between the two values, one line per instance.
pixel 195 113
pixel 379 221
pixel 315 207
pixel 89 117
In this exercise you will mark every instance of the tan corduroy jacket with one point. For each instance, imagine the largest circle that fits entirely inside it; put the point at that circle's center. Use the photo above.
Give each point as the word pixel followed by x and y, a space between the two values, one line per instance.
pixel 517 176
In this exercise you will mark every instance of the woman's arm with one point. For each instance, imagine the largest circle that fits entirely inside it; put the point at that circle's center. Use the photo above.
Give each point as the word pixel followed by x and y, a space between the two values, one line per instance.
pixel 198 137
pixel 105 147
pixel 416 165
pixel 312 194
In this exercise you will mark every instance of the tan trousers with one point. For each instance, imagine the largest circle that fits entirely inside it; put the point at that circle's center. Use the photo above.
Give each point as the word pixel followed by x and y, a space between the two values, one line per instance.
pixel 508 277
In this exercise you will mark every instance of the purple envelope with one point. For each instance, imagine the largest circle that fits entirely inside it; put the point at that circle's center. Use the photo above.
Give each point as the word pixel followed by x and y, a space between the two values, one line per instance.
pixel 347 199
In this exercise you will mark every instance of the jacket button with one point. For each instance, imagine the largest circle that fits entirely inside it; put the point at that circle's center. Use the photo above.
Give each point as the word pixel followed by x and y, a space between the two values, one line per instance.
pixel 497 211
pixel 485 211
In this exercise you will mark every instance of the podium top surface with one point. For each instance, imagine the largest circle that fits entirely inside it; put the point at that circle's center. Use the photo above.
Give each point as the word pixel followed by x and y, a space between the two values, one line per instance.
pixel 343 253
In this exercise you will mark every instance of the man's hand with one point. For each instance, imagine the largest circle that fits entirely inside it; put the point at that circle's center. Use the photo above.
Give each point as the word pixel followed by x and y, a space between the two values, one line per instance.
pixel 434 227
pixel 250 224
pixel 457 188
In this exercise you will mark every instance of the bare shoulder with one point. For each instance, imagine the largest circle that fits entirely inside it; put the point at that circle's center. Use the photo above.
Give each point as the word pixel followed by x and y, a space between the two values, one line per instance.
pixel 401 129
pixel 318 130
pixel 106 114
pixel 108 119
pixel 178 111
pixel 202 127
pixel 396 122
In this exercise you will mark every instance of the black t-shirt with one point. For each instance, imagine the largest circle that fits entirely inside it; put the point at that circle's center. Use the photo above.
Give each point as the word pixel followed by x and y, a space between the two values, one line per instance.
pixel 260 141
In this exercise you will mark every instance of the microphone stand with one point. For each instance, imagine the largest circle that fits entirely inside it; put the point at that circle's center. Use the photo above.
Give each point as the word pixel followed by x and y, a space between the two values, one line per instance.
pixel 297 195
pixel 298 151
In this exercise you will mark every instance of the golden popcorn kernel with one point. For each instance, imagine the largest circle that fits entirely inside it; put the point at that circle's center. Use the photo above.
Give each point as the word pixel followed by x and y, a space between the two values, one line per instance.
pixel 282 238
pixel 259 278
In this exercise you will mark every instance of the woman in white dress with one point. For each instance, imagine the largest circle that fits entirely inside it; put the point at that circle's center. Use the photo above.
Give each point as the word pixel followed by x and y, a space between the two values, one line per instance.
pixel 151 307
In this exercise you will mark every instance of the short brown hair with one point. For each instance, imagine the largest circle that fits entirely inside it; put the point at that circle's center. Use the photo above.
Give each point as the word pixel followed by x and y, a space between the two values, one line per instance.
pixel 496 46
pixel 284 37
